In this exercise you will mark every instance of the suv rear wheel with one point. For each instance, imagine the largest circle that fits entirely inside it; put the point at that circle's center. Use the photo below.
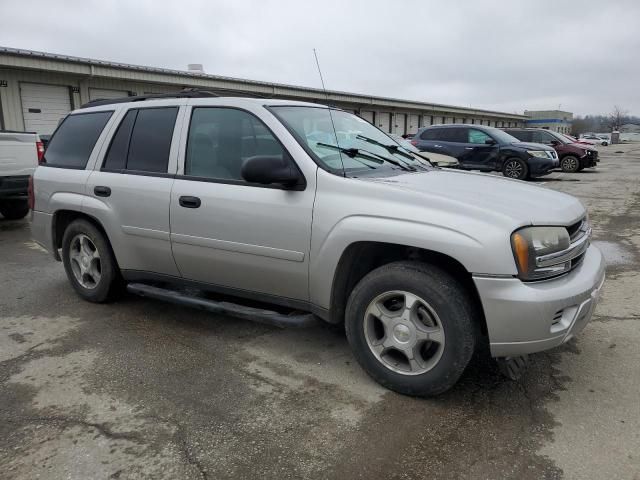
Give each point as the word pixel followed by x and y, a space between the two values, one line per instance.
pixel 570 164
pixel 89 262
pixel 515 168
pixel 14 209
pixel 410 326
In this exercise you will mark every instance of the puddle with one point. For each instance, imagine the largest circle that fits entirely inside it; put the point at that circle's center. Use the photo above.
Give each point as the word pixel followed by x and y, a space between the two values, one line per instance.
pixel 614 253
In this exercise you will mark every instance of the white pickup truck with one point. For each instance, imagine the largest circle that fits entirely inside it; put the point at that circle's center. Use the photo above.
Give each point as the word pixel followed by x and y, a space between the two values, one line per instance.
pixel 20 153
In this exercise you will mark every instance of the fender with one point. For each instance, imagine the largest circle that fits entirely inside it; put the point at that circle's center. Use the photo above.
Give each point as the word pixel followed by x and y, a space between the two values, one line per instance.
pixel 469 251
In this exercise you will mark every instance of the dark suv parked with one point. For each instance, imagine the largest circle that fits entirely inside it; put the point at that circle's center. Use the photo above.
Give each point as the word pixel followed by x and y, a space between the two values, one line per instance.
pixel 573 156
pixel 489 149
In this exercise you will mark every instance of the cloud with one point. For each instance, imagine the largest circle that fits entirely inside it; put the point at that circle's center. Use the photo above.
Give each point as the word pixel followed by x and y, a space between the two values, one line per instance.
pixel 511 56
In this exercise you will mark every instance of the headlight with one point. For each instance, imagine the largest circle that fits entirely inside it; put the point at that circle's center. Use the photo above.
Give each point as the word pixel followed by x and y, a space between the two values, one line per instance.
pixel 531 243
pixel 538 153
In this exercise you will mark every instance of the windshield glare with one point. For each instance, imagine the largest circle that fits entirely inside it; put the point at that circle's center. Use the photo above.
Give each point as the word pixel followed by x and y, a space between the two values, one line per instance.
pixel 313 127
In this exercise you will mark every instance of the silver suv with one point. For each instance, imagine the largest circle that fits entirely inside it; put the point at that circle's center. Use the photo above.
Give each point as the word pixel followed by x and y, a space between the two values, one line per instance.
pixel 284 212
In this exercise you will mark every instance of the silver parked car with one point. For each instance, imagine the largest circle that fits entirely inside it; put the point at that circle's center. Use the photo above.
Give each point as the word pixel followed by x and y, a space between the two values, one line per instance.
pixel 293 211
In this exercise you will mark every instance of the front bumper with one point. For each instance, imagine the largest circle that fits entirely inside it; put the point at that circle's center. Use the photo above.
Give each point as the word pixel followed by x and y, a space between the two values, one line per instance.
pixel 541 166
pixel 526 318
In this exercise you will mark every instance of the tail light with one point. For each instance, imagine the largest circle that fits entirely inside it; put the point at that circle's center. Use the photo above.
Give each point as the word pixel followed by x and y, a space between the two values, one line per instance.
pixel 40 150
pixel 414 142
pixel 32 198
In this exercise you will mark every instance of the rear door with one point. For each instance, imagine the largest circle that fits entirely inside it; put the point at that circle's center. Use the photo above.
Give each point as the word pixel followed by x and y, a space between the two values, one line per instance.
pixel 477 153
pixel 130 188
pixel 231 234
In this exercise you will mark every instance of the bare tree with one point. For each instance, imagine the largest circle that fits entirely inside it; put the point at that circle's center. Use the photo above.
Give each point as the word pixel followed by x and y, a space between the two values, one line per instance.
pixel 617 118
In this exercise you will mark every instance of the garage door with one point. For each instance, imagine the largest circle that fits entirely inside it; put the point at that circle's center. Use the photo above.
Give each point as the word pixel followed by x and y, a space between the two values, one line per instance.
pixel 103 93
pixel 413 123
pixel 43 106
pixel 400 122
pixel 367 115
pixel 384 121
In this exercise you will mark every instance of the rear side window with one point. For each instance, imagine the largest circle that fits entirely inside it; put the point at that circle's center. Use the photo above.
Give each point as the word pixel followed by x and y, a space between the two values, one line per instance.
pixel 75 138
pixel 151 139
pixel 455 135
pixel 116 158
pixel 430 134
pixel 142 141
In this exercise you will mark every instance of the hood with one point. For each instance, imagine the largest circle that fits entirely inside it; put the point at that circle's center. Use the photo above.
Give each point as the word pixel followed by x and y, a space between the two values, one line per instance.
pixel 531 146
pixel 483 195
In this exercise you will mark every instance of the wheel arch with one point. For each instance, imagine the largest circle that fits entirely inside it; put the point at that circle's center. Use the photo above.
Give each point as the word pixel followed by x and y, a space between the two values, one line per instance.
pixel 63 218
pixel 361 257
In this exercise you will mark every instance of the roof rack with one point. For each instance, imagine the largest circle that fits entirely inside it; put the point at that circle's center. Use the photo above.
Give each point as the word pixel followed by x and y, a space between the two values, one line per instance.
pixel 185 93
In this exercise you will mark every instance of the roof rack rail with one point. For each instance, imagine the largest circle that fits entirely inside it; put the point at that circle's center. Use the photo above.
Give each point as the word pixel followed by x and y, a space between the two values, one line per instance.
pixel 185 93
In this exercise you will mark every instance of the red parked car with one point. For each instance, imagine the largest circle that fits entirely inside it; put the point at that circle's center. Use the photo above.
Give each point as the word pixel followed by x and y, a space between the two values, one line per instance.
pixel 573 156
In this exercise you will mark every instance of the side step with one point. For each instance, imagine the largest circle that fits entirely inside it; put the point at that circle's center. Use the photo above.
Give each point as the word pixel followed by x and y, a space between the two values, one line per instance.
pixel 268 317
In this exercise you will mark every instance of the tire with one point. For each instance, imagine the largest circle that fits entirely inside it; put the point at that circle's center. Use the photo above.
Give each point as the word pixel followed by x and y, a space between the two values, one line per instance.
pixel 440 306
pixel 14 209
pixel 605 144
pixel 570 164
pixel 515 168
pixel 101 280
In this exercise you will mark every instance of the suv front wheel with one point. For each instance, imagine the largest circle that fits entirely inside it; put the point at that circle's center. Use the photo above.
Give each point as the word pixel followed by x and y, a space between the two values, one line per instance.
pixel 89 262
pixel 515 168
pixel 410 326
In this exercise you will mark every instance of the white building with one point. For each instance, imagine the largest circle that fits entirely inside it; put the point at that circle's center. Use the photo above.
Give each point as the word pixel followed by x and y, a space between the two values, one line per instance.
pixel 37 89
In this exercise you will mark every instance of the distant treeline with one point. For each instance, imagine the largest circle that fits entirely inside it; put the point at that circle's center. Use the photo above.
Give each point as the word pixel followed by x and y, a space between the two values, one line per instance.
pixel 600 123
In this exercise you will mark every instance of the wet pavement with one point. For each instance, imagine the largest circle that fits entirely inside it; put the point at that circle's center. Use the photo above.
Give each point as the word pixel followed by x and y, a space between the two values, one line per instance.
pixel 142 389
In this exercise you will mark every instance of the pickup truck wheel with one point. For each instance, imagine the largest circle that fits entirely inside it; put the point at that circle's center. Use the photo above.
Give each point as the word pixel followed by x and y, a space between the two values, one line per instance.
pixel 410 326
pixel 89 262
pixel 570 164
pixel 14 209
pixel 515 168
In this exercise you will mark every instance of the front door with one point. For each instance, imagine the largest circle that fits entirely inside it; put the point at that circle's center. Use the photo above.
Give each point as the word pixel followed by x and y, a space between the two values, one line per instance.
pixel 229 233
pixel 478 153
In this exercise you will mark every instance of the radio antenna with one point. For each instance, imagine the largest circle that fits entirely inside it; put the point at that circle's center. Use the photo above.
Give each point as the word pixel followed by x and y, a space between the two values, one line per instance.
pixel 333 125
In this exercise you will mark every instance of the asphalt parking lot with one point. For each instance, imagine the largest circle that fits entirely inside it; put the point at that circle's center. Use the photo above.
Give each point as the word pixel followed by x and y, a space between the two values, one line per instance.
pixel 143 389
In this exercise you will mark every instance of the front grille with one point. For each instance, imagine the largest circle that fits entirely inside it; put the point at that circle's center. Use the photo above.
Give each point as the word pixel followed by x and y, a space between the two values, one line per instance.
pixel 575 230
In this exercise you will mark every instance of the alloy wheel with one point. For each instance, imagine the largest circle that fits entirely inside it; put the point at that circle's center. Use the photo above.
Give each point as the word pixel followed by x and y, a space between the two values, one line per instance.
pixel 404 332
pixel 85 261
pixel 513 169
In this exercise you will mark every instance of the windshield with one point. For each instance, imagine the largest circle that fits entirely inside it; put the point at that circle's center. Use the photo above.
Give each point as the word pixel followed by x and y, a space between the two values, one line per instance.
pixel 500 135
pixel 354 147
pixel 561 138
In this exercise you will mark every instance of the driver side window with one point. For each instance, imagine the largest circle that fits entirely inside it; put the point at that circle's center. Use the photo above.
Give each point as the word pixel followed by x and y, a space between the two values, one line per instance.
pixel 221 139
pixel 478 137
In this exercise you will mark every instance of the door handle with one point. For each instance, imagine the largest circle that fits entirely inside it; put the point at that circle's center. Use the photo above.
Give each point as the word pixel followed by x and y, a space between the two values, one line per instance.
pixel 468 148
pixel 189 202
pixel 101 191
pixel 438 146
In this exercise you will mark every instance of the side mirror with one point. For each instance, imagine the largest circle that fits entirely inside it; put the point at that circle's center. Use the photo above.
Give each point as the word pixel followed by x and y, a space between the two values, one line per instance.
pixel 270 169
pixel 490 141
pixel 554 143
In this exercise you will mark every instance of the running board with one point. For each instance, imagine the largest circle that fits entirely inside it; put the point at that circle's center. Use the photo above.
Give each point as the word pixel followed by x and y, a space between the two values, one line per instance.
pixel 268 317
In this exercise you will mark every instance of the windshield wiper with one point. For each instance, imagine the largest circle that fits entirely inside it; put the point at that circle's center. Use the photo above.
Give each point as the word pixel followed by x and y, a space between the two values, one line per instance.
pixel 390 148
pixel 353 152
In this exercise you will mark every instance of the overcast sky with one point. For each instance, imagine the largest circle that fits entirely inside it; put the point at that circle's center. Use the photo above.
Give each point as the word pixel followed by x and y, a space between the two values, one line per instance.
pixel 583 56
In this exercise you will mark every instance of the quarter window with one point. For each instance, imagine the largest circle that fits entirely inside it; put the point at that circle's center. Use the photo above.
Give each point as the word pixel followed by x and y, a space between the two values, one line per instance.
pixel 75 138
pixel 221 139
